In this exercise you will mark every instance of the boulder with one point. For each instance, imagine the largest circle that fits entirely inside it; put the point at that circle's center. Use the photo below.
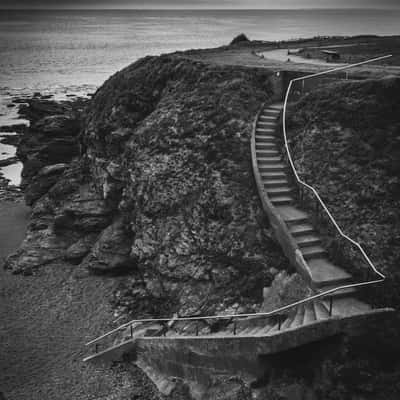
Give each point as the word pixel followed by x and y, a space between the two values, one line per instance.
pixel 112 249
pixel 57 125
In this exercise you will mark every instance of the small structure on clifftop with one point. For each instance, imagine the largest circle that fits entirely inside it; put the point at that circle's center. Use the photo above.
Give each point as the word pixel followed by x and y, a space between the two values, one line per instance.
pixel 331 55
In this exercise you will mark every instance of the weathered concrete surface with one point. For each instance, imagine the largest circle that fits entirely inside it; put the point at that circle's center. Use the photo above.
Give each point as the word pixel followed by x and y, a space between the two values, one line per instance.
pixel 201 362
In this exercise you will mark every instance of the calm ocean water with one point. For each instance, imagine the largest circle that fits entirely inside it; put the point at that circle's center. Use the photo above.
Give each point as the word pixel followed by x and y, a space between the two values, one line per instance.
pixel 75 51
pixel 41 50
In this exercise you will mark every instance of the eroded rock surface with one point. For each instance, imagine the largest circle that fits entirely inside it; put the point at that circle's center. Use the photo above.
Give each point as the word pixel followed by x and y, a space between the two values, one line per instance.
pixel 154 179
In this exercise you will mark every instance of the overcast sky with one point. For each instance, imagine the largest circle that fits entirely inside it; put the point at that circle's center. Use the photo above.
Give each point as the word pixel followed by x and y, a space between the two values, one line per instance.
pixel 164 4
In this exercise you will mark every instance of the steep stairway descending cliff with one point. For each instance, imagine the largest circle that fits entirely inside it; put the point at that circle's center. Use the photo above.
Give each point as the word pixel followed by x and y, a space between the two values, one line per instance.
pixel 191 349
pixel 281 199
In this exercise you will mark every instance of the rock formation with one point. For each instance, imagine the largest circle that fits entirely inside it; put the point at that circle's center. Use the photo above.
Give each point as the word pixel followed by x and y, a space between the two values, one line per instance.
pixel 153 179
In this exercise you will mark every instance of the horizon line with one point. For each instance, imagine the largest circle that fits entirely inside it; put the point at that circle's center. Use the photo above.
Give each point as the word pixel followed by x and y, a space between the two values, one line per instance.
pixel 203 9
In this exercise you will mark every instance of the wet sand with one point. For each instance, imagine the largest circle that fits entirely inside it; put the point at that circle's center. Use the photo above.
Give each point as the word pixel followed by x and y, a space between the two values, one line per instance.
pixel 45 320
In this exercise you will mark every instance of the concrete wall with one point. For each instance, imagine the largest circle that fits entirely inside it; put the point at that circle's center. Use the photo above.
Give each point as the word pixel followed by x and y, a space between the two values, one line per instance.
pixel 203 361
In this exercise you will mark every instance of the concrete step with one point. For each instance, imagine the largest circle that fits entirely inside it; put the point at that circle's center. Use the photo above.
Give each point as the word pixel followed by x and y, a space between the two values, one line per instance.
pixel 267 118
pixel 276 106
pixel 275 329
pixel 272 167
pixel 323 272
pixel 267 127
pixel 309 313
pixel 266 131
pixel 264 331
pixel 270 183
pixel 321 312
pixel 274 175
pixel 347 306
pixel 292 214
pixel 313 252
pixel 301 229
pixel 282 200
pixel 267 153
pixel 271 111
pixel 298 319
pixel 279 191
pixel 266 139
pixel 291 316
pixel 306 240
pixel 268 160
pixel 266 146
pixel 261 147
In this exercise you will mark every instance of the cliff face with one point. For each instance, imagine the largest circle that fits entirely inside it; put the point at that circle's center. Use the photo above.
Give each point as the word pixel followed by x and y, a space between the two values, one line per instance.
pixel 162 190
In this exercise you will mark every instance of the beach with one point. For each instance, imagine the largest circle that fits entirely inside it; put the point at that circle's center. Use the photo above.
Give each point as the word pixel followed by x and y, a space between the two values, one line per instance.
pixel 45 320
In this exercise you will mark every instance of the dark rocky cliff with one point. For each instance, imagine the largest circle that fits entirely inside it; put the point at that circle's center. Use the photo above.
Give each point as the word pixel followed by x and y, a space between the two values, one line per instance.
pixel 157 184
pixel 153 180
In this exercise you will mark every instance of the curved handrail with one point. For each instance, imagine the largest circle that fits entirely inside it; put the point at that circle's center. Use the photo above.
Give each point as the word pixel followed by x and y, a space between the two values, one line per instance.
pixel 305 184
pixel 300 181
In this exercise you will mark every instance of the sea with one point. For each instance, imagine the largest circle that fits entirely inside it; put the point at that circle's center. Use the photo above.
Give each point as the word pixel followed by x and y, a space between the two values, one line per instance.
pixel 70 53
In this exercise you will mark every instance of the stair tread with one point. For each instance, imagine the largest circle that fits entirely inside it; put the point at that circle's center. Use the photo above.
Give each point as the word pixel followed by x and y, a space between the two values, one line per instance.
pixel 282 199
pixel 321 312
pixel 274 107
pixel 288 321
pixel 313 252
pixel 300 229
pixel 267 135
pixel 347 306
pixel 290 213
pixel 281 189
pixel 280 182
pixel 324 272
pixel 267 130
pixel 271 140
pixel 298 319
pixel 276 191
pixel 275 165
pixel 263 153
pixel 309 313
pixel 273 175
pixel 306 239
pixel 266 146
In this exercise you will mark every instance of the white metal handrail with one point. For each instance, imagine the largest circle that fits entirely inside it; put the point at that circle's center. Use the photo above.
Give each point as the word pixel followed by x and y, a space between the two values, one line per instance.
pixel 300 181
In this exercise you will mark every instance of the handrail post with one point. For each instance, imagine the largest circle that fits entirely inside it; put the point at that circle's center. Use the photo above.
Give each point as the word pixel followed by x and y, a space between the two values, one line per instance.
pixel 131 328
pixel 330 306
pixel 234 327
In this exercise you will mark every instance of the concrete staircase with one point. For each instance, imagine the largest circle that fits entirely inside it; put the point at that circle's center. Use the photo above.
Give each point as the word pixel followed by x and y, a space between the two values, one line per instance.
pixel 273 172
pixel 186 348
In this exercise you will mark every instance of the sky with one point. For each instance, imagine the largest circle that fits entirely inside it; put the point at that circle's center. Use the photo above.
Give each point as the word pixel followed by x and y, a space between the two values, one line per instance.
pixel 194 4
